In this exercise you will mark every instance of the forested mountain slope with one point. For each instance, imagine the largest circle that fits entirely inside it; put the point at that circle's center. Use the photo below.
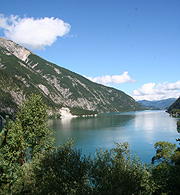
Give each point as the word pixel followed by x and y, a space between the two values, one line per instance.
pixel 22 72
pixel 175 107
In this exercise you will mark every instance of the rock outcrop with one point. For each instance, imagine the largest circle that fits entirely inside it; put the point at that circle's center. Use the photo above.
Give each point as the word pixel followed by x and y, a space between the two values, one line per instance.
pixel 22 72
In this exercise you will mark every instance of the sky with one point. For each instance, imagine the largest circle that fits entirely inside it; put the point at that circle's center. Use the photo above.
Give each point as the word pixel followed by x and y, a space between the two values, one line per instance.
pixel 130 45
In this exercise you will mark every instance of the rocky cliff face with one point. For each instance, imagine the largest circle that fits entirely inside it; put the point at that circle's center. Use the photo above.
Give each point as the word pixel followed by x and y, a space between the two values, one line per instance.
pixel 22 72
pixel 12 48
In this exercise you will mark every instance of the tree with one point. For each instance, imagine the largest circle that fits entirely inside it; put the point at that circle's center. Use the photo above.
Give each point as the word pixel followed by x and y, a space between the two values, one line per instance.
pixel 166 174
pixel 62 171
pixel 29 164
pixel 65 171
pixel 164 152
pixel 117 172
pixel 178 124
pixel 33 120
pixel 26 139
pixel 5 178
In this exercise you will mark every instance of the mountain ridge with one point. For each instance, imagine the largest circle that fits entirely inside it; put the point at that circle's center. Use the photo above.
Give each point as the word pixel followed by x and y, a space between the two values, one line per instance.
pixel 23 72
pixel 157 104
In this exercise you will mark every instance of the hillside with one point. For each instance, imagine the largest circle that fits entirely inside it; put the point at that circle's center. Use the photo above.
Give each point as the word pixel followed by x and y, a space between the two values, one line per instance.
pixel 22 72
pixel 158 104
pixel 175 107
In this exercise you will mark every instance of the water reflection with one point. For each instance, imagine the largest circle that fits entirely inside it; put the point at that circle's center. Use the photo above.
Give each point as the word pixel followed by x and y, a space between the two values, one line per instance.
pixel 92 133
pixel 103 121
pixel 149 120
pixel 154 124
pixel 141 129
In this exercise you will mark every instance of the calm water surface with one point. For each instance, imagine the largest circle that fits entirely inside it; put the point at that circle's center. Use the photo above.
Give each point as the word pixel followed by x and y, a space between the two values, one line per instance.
pixel 140 129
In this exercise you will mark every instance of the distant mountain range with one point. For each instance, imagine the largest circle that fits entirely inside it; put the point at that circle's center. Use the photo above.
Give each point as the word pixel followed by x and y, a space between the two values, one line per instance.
pixel 158 104
pixel 22 73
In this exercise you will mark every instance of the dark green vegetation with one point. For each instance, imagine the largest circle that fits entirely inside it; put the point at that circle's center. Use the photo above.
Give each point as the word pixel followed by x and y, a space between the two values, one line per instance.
pixel 157 105
pixel 174 109
pixel 30 164
pixel 80 112
pixel 166 174
pixel 22 72
pixel 22 142
pixel 178 124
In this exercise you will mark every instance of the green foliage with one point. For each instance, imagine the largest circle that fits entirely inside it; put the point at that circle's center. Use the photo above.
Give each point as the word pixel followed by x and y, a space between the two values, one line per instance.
pixel 117 172
pixel 166 179
pixel 166 174
pixel 175 112
pixel 29 164
pixel 5 166
pixel 63 171
pixel 32 116
pixel 178 124
pixel 164 152
pixel 26 140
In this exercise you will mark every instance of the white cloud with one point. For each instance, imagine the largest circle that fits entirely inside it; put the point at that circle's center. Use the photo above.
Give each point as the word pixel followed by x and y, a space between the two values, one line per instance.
pixel 151 91
pixel 33 33
pixel 116 79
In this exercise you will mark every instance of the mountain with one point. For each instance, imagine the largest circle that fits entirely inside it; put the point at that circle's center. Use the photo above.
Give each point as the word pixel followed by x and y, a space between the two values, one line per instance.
pixel 22 73
pixel 158 104
pixel 175 107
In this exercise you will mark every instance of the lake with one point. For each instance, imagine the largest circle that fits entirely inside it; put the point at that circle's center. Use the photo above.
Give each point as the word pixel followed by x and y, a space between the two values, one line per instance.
pixel 140 129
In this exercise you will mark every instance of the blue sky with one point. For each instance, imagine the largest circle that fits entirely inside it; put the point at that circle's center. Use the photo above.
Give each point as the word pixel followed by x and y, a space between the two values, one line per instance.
pixel 131 45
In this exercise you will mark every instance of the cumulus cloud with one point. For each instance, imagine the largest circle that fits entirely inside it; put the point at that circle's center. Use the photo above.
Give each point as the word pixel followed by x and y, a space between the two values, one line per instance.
pixel 151 91
pixel 33 33
pixel 116 79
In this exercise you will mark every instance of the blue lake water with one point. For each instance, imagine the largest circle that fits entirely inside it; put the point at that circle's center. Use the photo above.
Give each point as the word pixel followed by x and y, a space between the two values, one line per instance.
pixel 140 129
